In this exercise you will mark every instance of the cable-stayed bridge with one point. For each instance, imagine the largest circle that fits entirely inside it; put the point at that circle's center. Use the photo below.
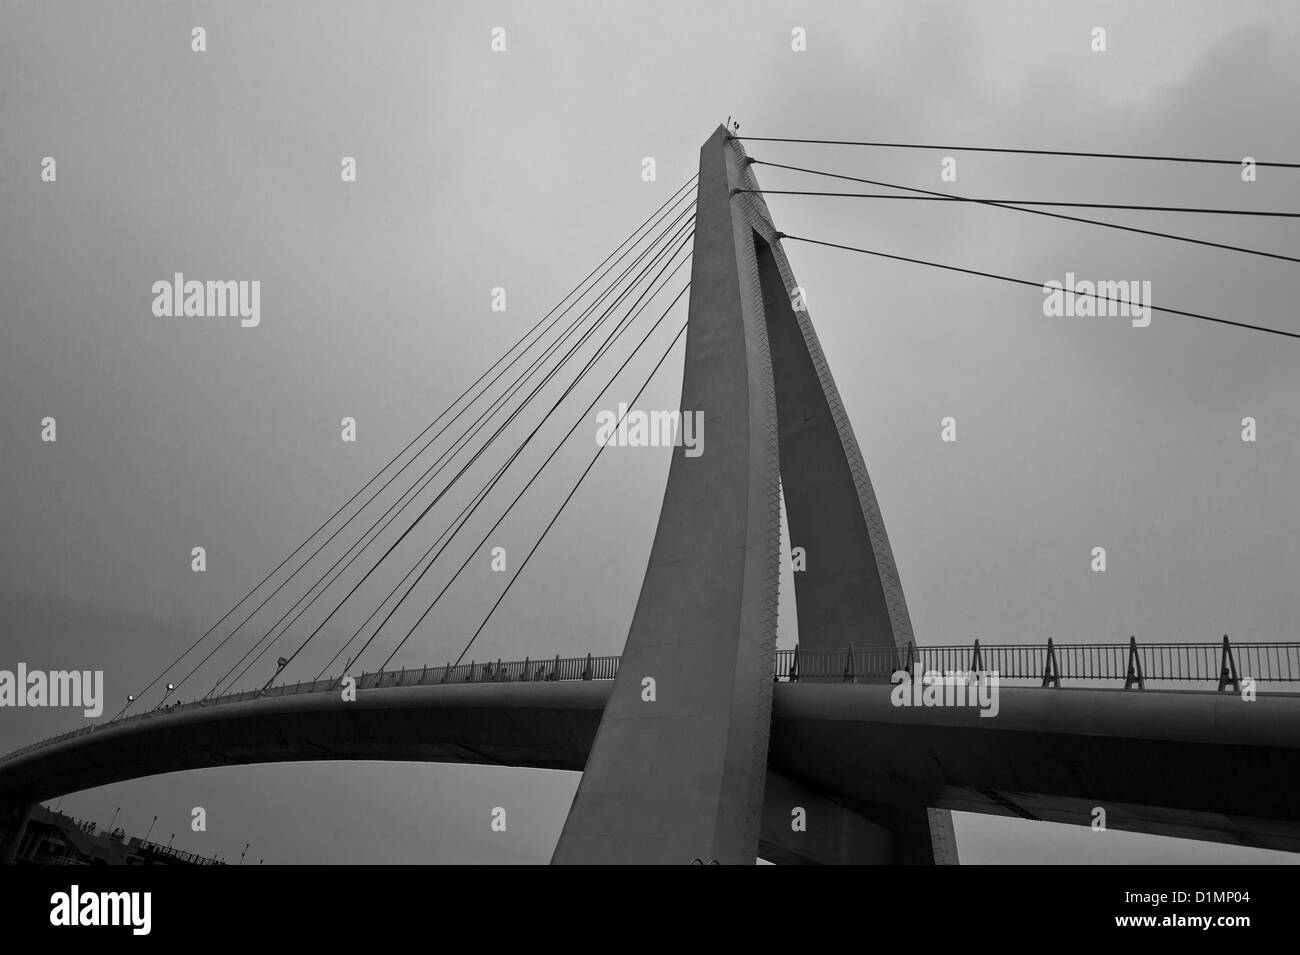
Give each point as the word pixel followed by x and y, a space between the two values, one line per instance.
pixel 702 742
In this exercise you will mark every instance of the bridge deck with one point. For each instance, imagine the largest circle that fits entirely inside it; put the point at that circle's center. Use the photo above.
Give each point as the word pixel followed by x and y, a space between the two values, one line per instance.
pixel 1198 764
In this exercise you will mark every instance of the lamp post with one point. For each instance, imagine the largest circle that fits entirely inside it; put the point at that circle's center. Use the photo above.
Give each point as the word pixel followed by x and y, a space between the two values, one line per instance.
pixel 280 664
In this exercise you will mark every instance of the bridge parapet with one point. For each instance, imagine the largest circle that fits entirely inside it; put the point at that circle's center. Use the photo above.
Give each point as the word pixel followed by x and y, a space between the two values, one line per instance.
pixel 513 671
pixel 1132 663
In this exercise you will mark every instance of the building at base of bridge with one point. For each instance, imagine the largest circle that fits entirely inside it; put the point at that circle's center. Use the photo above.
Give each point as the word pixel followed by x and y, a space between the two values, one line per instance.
pixel 44 837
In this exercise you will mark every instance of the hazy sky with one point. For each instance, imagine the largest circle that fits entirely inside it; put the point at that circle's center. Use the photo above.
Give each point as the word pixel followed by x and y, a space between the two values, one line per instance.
pixel 522 169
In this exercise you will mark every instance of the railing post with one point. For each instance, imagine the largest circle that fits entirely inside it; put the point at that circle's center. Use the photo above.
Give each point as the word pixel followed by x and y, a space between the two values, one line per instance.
pixel 586 672
pixel 1051 673
pixel 1228 668
pixel 1134 667
pixel 849 675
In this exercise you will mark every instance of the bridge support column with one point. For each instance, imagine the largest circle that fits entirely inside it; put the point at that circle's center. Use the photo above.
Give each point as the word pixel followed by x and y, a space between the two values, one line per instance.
pixel 676 772
pixel 922 836
pixel 14 817
pixel 801 827
pixel 679 764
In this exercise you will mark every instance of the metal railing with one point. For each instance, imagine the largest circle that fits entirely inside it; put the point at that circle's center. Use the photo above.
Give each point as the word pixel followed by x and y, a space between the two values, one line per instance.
pixel 515 671
pixel 511 671
pixel 1134 664
pixel 176 855
pixel 1048 664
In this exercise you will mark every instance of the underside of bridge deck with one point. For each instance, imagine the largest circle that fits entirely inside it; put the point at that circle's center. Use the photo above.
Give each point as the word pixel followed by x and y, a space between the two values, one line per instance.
pixel 1169 763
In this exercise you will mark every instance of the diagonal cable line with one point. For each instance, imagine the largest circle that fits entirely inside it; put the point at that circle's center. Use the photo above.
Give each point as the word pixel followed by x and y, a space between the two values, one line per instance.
pixel 445 538
pixel 507 464
pixel 591 362
pixel 465 511
pixel 671 200
pixel 469 508
pixel 536 474
pixel 654 250
pixel 457 445
pixel 512 458
pixel 1026 202
pixel 354 589
pixel 1036 212
pixel 465 437
pixel 1022 152
pixel 1037 285
pixel 524 563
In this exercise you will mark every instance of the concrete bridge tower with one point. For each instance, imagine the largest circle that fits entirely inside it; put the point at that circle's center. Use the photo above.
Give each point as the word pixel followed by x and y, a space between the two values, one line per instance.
pixel 684 777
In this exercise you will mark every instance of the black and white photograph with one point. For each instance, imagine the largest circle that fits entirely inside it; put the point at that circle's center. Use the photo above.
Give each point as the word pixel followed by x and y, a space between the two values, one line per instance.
pixel 689 432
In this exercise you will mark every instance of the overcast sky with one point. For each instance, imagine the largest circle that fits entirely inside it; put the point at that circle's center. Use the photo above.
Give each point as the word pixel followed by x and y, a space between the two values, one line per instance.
pixel 522 169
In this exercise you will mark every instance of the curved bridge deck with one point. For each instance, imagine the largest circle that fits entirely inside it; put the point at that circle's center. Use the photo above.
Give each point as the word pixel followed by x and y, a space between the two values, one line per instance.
pixel 1196 764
